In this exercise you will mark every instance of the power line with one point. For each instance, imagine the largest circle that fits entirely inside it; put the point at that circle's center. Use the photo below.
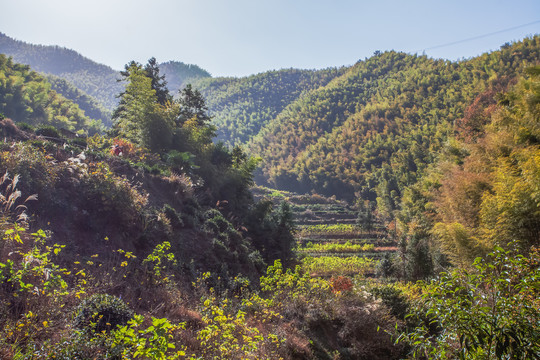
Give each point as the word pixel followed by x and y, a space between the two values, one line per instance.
pixel 478 37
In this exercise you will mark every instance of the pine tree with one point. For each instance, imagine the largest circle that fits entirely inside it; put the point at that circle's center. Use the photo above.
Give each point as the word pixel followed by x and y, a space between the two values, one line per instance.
pixel 140 118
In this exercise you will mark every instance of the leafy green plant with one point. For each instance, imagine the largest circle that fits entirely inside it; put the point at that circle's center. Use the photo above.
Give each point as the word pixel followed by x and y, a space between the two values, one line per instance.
pixel 101 312
pixel 347 247
pixel 25 127
pixel 332 265
pixel 153 342
pixel 48 131
pixel 158 262
pixel 488 313
pixel 227 334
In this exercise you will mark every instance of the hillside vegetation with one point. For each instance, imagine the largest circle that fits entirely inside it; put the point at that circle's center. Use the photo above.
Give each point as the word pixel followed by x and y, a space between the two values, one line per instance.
pixel 27 97
pixel 241 107
pixel 97 82
pixel 147 242
pixel 126 252
pixel 373 130
pixel 91 107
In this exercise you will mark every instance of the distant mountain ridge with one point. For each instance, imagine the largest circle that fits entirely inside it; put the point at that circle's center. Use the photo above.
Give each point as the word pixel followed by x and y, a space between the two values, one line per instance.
pixel 371 132
pixel 242 106
pixel 91 78
pixel 97 80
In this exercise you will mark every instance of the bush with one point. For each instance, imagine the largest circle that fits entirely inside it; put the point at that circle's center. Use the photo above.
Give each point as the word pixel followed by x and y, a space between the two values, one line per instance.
pixel 25 127
pixel 489 312
pixel 394 299
pixel 79 141
pixel 173 216
pixel 48 131
pixel 102 312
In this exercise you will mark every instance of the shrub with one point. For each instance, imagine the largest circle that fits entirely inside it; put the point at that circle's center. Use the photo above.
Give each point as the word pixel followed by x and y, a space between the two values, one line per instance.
pixel 79 141
pixel 173 216
pixel 394 299
pixel 25 127
pixel 102 312
pixel 47 130
pixel 488 313
pixel 341 284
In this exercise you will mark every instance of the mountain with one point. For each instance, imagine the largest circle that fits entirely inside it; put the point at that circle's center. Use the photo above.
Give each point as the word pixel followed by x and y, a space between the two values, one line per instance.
pixel 96 80
pixel 93 80
pixel 367 130
pixel 179 74
pixel 26 96
pixel 372 131
pixel 91 107
pixel 242 106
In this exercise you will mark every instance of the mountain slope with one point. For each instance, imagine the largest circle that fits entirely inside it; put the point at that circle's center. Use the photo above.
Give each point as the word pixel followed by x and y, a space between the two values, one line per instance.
pixel 242 106
pixel 26 96
pixel 179 74
pixel 95 79
pixel 376 127
pixel 91 107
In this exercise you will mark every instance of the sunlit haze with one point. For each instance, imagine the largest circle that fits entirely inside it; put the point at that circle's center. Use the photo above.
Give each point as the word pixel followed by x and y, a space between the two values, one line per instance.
pixel 243 37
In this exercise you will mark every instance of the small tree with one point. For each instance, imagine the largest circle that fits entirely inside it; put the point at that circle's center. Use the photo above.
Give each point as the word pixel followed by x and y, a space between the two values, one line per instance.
pixel 139 117
pixel 365 217
pixel 489 313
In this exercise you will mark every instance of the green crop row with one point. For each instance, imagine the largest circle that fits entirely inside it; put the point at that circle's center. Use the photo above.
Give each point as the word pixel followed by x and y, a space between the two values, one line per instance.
pixel 332 266
pixel 347 247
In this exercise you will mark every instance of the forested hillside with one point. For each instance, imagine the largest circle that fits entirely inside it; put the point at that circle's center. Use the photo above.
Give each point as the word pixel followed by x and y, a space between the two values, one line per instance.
pixel 91 107
pixel 146 242
pixel 94 80
pixel 482 191
pixel 242 106
pixel 373 130
pixel 179 74
pixel 26 96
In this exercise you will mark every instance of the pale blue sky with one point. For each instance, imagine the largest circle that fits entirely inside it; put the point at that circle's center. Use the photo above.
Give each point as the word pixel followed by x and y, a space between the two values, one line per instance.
pixel 243 37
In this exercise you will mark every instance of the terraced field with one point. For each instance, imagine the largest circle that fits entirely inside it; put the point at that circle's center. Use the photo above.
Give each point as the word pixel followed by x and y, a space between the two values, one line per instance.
pixel 329 241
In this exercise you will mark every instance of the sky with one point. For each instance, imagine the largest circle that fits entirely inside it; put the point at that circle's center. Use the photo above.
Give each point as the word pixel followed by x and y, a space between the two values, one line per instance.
pixel 244 37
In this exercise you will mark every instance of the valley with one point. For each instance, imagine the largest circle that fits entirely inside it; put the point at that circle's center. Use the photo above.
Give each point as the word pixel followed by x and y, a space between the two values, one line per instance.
pixel 384 210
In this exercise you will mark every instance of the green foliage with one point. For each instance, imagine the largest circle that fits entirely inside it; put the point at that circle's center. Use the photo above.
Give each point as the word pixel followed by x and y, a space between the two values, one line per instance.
pixel 179 74
pixel 375 128
pixel 394 299
pixel 25 127
pixel 227 336
pixel 329 228
pixel 365 216
pixel 272 232
pixel 158 262
pixel 331 265
pixel 242 106
pixel 27 97
pixel 35 273
pixel 96 80
pixel 490 312
pixel 101 312
pixel 180 161
pixel 48 131
pixel 490 195
pixel 295 283
pixel 139 117
pixel 153 342
pixel 91 107
pixel 346 247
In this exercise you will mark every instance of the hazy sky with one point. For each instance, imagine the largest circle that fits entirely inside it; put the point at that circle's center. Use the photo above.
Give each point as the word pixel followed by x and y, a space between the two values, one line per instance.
pixel 243 37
